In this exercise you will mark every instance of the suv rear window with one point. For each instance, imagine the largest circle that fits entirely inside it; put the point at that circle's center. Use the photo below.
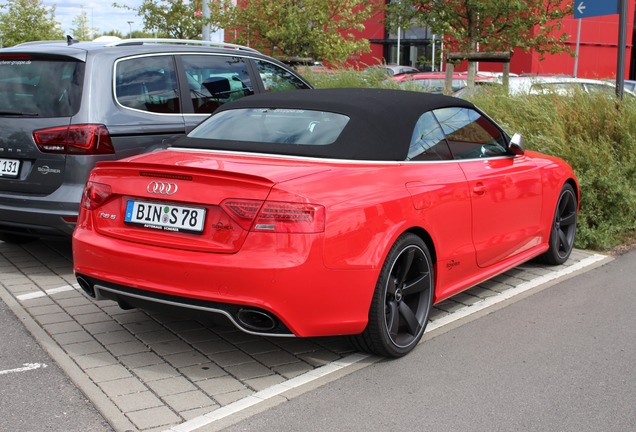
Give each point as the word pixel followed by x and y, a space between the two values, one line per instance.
pixel 40 87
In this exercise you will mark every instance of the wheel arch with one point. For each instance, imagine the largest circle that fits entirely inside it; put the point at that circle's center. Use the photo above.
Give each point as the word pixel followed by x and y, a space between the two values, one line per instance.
pixel 572 182
pixel 428 240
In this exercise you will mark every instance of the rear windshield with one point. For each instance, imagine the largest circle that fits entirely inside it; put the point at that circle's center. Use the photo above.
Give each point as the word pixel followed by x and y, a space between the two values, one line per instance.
pixel 39 87
pixel 273 125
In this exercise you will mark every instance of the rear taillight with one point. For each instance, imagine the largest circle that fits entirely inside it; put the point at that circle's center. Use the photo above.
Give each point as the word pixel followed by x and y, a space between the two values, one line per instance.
pixel 275 216
pixel 95 194
pixel 85 139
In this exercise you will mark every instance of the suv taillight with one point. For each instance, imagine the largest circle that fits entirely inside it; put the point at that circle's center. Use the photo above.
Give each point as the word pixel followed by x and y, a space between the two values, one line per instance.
pixel 85 139
pixel 276 216
pixel 95 194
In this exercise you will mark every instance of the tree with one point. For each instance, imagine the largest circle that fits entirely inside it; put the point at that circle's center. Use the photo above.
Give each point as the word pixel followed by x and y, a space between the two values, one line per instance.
pixel 321 29
pixel 176 18
pixel 115 33
pixel 487 25
pixel 81 29
pixel 494 25
pixel 28 20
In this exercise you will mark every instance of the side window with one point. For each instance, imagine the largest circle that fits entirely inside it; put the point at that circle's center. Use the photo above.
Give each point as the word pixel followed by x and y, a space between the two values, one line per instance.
pixel 276 78
pixel 601 88
pixel 214 80
pixel 147 84
pixel 469 134
pixel 428 142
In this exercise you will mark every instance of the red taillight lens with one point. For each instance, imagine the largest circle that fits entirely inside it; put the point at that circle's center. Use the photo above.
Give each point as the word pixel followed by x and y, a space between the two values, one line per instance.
pixel 275 216
pixel 86 139
pixel 242 211
pixel 95 194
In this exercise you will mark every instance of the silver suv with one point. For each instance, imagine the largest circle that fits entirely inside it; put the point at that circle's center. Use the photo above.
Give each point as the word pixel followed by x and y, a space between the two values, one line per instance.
pixel 66 105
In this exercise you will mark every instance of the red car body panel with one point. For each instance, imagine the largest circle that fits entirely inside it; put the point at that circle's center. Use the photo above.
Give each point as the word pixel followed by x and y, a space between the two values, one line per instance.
pixel 318 283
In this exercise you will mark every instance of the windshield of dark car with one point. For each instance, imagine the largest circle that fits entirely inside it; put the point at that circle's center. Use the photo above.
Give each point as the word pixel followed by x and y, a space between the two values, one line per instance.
pixel 39 87
pixel 273 125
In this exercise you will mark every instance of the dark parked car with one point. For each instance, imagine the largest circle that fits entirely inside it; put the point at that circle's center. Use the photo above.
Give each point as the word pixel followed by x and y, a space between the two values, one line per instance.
pixel 66 105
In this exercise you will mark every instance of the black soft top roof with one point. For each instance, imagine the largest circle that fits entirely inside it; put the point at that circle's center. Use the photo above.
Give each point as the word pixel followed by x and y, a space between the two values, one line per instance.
pixel 380 126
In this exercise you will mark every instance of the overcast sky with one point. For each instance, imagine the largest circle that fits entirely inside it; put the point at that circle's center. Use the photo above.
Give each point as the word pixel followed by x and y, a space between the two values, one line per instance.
pixel 101 14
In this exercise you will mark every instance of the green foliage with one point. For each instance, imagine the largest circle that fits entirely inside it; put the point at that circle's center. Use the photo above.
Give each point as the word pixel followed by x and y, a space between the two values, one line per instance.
pixel 174 18
pixel 595 134
pixel 28 20
pixel 322 29
pixel 81 29
pixel 493 25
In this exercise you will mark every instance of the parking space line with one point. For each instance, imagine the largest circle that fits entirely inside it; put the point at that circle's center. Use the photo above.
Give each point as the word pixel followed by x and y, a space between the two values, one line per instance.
pixel 268 393
pixel 48 292
pixel 26 367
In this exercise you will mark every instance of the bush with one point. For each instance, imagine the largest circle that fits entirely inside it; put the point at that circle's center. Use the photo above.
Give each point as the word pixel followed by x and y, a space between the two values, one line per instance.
pixel 595 134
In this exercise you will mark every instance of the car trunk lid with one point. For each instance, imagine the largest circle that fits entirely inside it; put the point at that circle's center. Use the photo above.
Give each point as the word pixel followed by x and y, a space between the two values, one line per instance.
pixel 190 200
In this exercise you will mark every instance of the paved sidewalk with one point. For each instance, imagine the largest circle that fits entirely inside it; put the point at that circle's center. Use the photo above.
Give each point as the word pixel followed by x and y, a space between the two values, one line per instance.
pixel 152 372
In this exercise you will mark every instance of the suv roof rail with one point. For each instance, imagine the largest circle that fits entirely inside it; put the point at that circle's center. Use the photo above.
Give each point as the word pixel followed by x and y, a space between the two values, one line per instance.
pixel 40 42
pixel 142 41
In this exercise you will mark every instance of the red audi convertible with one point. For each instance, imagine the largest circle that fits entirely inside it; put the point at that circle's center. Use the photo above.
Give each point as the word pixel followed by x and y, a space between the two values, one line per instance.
pixel 325 212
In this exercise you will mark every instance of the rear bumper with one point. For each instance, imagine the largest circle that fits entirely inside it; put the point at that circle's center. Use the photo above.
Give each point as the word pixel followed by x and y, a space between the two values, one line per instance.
pixel 38 222
pixel 247 318
pixel 46 215
pixel 289 286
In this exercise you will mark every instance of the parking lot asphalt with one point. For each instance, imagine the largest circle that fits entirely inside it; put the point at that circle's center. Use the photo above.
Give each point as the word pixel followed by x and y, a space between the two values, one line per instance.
pixel 152 372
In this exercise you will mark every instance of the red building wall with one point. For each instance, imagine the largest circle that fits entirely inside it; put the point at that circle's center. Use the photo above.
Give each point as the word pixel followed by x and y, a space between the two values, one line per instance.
pixel 597 54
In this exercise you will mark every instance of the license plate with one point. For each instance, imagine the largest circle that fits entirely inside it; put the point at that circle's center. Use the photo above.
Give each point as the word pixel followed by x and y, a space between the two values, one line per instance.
pixel 9 167
pixel 166 217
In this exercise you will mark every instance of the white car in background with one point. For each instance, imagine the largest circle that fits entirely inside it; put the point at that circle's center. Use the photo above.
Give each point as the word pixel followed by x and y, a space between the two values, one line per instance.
pixel 540 84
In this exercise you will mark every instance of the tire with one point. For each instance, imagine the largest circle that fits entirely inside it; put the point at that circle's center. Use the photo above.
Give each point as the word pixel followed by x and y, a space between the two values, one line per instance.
pixel 563 230
pixel 401 302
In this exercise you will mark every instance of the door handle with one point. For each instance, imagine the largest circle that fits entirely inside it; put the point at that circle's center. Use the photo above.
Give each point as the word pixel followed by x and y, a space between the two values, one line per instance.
pixel 479 189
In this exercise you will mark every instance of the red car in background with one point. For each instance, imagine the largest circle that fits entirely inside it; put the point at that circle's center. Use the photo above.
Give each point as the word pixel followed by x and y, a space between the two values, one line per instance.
pixel 433 82
pixel 329 212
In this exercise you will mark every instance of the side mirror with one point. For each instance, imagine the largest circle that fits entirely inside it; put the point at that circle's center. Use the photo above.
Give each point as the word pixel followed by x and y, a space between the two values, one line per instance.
pixel 516 145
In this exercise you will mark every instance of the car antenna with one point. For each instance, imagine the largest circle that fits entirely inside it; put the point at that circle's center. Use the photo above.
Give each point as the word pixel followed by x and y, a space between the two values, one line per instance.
pixel 70 41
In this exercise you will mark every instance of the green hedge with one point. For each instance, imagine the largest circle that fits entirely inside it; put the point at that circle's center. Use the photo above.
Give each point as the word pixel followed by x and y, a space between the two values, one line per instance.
pixel 596 134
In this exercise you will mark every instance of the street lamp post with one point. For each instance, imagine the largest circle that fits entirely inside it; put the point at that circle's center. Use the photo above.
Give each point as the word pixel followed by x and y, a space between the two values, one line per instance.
pixel 130 23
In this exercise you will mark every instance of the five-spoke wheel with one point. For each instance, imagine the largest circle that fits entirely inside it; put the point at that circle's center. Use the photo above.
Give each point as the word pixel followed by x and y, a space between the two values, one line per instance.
pixel 402 300
pixel 563 228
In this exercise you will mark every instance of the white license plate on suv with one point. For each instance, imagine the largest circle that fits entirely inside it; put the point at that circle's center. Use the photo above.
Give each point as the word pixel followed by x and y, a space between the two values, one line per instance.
pixel 9 167
pixel 166 217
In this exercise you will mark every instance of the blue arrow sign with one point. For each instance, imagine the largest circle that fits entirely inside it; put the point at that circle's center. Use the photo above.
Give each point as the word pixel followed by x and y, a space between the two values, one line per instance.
pixel 592 8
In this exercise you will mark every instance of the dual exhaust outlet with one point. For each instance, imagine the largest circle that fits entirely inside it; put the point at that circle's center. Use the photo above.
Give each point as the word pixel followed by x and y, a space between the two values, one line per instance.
pixel 247 319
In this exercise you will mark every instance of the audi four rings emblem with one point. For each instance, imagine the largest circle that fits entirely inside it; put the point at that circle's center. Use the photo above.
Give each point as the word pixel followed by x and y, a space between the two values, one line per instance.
pixel 162 188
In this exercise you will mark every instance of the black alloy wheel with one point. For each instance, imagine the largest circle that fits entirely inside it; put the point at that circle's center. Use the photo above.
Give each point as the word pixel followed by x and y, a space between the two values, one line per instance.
pixel 563 230
pixel 402 300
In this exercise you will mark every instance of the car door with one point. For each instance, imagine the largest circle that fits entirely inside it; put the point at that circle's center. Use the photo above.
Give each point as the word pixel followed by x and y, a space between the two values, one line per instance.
pixel 440 195
pixel 148 105
pixel 208 80
pixel 505 189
